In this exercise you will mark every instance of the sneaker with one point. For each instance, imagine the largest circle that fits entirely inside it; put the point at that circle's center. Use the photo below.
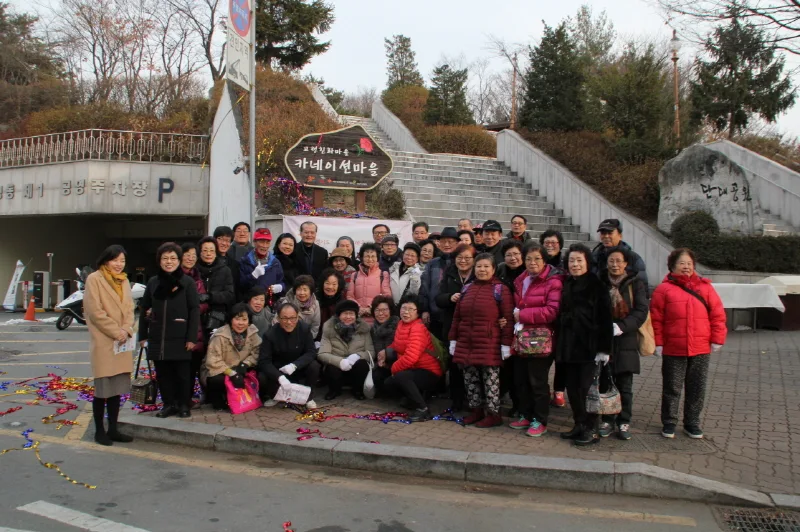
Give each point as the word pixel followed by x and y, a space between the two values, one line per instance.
pixel 605 430
pixel 624 432
pixel 693 431
pixel 536 429
pixel 520 424
pixel 668 431
pixel 558 400
pixel 311 405
pixel 270 403
pixel 420 414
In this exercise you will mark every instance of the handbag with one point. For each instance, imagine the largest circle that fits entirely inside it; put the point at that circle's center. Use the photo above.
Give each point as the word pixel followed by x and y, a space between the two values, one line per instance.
pixel 214 320
pixel 369 382
pixel 645 334
pixel 241 400
pixel 144 390
pixel 534 342
pixel 606 403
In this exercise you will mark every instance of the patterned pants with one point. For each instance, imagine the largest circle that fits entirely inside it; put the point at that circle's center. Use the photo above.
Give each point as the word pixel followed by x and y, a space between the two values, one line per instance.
pixel 678 373
pixel 483 386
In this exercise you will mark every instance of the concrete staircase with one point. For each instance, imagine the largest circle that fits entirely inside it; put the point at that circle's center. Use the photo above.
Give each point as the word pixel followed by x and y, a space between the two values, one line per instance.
pixel 441 189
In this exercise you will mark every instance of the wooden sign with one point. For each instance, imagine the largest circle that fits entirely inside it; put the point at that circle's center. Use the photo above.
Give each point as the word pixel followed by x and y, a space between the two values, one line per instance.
pixel 346 158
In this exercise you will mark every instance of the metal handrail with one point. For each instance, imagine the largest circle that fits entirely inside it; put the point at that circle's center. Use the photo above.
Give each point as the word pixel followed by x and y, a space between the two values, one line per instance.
pixel 103 145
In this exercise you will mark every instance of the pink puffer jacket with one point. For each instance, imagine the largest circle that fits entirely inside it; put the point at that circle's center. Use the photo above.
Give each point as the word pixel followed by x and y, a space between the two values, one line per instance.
pixel 539 298
pixel 364 286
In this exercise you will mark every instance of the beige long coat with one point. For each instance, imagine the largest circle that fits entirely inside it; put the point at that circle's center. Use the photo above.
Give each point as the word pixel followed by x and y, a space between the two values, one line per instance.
pixel 106 315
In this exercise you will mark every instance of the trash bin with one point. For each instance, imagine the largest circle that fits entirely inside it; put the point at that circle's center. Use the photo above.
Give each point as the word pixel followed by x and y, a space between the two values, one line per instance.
pixel 788 289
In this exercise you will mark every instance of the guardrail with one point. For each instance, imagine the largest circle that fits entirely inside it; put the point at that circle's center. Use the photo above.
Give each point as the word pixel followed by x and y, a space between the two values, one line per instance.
pixel 103 145
pixel 395 129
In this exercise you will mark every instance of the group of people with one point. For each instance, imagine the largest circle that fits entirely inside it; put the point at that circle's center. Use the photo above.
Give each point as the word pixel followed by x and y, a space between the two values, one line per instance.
pixel 470 311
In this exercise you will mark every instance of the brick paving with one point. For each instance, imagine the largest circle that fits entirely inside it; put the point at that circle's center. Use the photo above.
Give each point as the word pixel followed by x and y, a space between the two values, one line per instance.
pixel 750 420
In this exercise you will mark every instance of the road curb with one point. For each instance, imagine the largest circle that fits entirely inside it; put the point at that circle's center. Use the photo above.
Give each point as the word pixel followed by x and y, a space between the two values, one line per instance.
pixel 596 476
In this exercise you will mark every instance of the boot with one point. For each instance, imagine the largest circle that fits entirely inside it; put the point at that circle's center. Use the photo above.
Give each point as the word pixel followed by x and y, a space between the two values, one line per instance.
pixel 474 417
pixel 492 419
pixel 113 404
pixel 98 411
pixel 574 433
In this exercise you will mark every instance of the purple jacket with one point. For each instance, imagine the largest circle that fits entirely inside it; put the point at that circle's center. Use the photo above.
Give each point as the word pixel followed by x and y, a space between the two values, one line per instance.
pixel 539 299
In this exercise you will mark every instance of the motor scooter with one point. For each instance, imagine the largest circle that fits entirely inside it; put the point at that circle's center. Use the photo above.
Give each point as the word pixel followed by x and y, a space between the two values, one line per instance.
pixel 72 307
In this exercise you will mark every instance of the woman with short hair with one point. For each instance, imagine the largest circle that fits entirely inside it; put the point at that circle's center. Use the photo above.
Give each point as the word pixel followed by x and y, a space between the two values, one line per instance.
pixel 218 283
pixel 427 252
pixel 405 275
pixel 189 261
pixel 349 246
pixel 232 352
pixel 344 349
pixel 368 281
pixel 284 252
pixel 170 329
pixel 689 324
pixel 302 296
pixel 108 307
pixel 260 314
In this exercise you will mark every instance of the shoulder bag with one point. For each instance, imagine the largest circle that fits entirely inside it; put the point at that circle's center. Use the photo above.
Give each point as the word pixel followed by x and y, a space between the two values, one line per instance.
pixel 645 334
pixel 607 403
pixel 144 390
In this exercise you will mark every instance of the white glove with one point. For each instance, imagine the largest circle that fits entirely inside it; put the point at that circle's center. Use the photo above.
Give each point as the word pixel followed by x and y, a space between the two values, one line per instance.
pixel 286 384
pixel 602 358
pixel 715 347
pixel 353 359
pixel 505 351
pixel 259 270
pixel 518 327
pixel 659 350
pixel 288 369
pixel 516 314
pixel 345 364
pixel 452 347
pixel 276 288
pixel 617 330
pixel 317 344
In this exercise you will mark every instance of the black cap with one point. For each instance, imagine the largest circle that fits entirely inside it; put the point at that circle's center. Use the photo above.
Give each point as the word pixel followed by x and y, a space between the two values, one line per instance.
pixel 449 232
pixel 390 238
pixel 345 305
pixel 413 247
pixel 610 225
pixel 492 225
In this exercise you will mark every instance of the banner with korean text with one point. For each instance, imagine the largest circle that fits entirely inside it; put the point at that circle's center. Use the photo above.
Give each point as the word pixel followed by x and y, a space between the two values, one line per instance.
pixel 359 229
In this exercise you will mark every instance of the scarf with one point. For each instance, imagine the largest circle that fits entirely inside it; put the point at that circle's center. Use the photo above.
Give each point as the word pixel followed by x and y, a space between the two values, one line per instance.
pixel 168 284
pixel 114 279
pixel 619 308
pixel 308 306
pixel 345 332
pixel 385 329
pixel 329 301
pixel 238 339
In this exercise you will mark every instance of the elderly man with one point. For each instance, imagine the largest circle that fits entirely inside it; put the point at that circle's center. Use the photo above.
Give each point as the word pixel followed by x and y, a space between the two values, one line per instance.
pixel 420 231
pixel 260 267
pixel 310 258
pixel 610 233
pixel 518 232
pixel 241 240
pixel 478 230
pixel 492 240
pixel 223 236
pixel 390 252
pixel 465 224
pixel 431 279
pixel 379 231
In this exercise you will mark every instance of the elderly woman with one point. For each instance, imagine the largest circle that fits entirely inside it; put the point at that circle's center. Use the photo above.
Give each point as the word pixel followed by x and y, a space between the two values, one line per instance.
pixel 330 290
pixel 465 236
pixel 232 352
pixel 170 329
pixel 538 299
pixel 368 281
pixel 405 275
pixel 288 355
pixel 629 308
pixel 513 265
pixel 584 338
pixel 386 320
pixel 415 370
pixel 427 252
pixel 260 314
pixel 189 267
pixel 284 252
pixel 689 324
pixel 350 247
pixel 218 283
pixel 108 308
pixel 302 295
pixel 552 242
pixel 340 261
pixel 344 350
pixel 479 344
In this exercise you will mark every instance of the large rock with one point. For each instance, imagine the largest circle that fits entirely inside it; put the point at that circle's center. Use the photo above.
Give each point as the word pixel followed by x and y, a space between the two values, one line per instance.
pixel 701 179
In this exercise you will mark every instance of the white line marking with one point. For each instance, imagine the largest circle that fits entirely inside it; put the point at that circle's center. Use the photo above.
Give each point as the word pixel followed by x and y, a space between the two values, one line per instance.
pixel 4 529
pixel 75 518
pixel 51 353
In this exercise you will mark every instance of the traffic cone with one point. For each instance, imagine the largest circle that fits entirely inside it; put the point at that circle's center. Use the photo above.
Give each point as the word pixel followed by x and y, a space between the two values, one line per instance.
pixel 30 313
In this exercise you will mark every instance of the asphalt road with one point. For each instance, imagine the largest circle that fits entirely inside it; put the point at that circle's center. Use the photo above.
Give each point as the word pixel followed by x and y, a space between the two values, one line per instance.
pixel 151 487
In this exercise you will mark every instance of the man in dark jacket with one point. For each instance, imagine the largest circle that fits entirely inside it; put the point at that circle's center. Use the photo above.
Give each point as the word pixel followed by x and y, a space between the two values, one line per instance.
pixel 223 235
pixel 493 240
pixel 518 232
pixel 260 267
pixel 432 277
pixel 288 356
pixel 610 232
pixel 390 252
pixel 241 240
pixel 310 258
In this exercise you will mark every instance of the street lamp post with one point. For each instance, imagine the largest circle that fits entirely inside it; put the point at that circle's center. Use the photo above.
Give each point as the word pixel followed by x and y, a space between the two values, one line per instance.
pixel 513 120
pixel 675 46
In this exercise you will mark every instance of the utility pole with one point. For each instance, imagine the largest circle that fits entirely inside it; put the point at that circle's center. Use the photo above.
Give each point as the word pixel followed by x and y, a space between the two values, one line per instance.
pixel 514 93
pixel 252 161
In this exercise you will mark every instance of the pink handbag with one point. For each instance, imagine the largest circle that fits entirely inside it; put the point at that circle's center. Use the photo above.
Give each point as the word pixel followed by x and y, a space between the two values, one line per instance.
pixel 241 400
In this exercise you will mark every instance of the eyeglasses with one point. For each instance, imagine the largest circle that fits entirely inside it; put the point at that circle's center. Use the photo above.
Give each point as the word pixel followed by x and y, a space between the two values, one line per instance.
pixel 512 255
pixel 380 233
pixel 382 309
pixel 295 318
pixel 517 223
pixel 241 232
pixel 464 259
pixel 407 310
pixel 550 243
pixel 533 259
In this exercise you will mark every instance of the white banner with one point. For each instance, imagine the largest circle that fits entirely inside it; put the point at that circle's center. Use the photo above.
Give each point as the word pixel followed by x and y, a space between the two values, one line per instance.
pixel 11 295
pixel 359 229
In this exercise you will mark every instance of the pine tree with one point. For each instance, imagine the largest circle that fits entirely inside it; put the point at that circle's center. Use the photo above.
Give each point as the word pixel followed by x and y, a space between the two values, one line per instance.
pixel 447 99
pixel 286 31
pixel 555 97
pixel 744 77
pixel 401 63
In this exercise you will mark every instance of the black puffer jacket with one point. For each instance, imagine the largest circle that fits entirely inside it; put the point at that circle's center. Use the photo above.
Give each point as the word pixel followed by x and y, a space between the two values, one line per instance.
pixel 218 281
pixel 174 316
pixel 290 268
pixel 451 284
pixel 584 325
pixel 280 348
pixel 625 348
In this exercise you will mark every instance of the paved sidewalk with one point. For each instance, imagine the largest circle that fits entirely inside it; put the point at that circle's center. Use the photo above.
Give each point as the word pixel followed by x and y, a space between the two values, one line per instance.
pixel 752 439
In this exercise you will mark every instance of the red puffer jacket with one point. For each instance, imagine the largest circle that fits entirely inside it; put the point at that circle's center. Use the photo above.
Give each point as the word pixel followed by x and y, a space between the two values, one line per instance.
pixel 539 298
pixel 681 323
pixel 414 348
pixel 475 327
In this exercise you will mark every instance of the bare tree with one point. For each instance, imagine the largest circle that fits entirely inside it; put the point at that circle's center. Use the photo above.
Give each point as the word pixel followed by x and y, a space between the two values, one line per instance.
pixel 360 101
pixel 206 18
